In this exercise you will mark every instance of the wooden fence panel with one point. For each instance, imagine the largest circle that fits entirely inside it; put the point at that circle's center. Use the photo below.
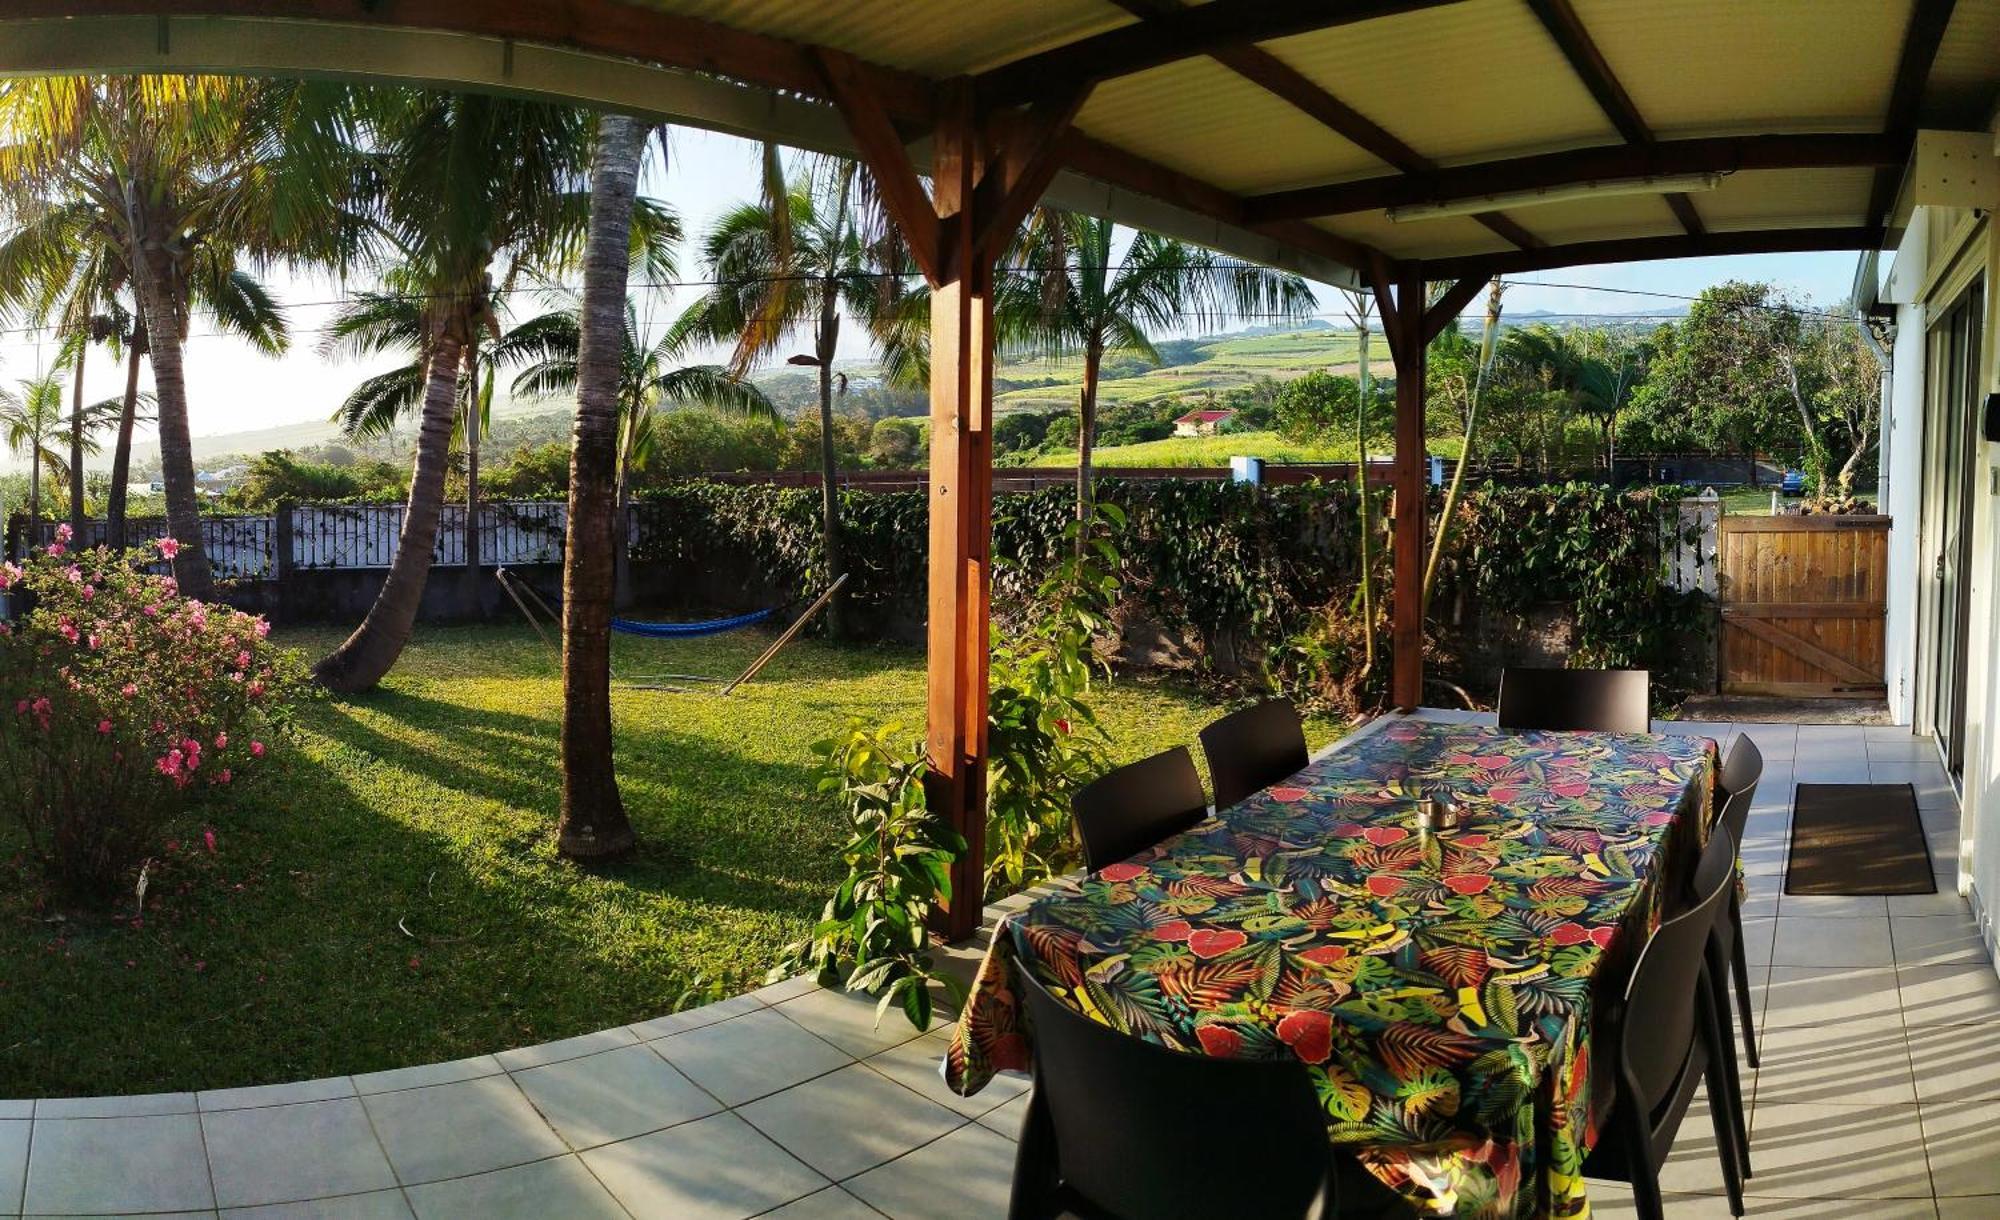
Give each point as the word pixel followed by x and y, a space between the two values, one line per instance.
pixel 1804 603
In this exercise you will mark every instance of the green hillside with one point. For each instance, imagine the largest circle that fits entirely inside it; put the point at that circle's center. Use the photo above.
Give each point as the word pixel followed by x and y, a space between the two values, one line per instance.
pixel 1193 367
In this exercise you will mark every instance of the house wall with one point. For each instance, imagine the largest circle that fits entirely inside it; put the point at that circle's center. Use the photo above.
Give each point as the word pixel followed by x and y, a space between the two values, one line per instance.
pixel 1945 250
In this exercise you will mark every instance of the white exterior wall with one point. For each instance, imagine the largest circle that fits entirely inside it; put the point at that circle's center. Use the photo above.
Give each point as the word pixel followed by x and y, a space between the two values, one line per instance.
pixel 1900 488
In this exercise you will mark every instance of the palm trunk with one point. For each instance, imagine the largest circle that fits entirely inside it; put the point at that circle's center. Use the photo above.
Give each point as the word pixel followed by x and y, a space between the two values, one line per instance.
pixel 163 330
pixel 829 337
pixel 34 489
pixel 121 456
pixel 475 405
pixel 1086 437
pixel 1365 383
pixel 593 823
pixel 621 525
pixel 76 446
pixel 364 657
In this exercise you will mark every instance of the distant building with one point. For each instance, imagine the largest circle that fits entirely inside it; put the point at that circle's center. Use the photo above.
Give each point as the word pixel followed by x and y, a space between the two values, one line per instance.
pixel 1203 423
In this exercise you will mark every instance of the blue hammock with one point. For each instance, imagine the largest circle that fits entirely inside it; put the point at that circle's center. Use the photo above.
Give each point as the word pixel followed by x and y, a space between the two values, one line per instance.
pixel 714 626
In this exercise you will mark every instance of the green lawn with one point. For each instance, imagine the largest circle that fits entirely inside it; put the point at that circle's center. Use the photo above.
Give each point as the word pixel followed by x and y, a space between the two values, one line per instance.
pixel 387 893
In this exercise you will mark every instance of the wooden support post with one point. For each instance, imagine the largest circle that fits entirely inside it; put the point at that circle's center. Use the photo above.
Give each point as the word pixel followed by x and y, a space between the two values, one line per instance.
pixel 1407 634
pixel 961 495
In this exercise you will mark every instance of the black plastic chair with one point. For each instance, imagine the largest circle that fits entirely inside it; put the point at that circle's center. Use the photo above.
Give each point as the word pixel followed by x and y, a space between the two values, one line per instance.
pixel 1252 749
pixel 1118 1126
pixel 1125 811
pixel 1667 1044
pixel 1741 771
pixel 1576 700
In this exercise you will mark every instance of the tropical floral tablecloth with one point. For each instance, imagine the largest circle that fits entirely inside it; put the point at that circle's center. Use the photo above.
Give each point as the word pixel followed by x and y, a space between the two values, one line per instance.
pixel 1439 985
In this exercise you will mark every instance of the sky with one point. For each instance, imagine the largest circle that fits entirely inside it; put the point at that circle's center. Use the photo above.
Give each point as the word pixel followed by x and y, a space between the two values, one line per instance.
pixel 233 389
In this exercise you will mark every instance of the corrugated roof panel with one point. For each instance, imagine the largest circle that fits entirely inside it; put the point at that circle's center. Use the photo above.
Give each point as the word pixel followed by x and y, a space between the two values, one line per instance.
pixel 1203 119
pixel 1777 199
pixel 1598 219
pixel 938 38
pixel 1466 81
pixel 1966 75
pixel 1445 237
pixel 1723 67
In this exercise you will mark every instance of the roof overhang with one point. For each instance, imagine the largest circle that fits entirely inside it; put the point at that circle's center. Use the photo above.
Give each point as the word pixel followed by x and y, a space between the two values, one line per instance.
pixel 1279 132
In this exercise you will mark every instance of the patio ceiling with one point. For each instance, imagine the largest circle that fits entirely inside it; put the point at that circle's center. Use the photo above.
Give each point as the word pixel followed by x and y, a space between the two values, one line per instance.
pixel 1283 131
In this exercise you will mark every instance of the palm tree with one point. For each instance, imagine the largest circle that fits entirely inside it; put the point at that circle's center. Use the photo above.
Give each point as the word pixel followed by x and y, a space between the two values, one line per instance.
pixel 649 377
pixel 65 264
pixel 1594 373
pixel 31 423
pixel 468 185
pixel 187 175
pixel 782 270
pixel 1068 292
pixel 593 824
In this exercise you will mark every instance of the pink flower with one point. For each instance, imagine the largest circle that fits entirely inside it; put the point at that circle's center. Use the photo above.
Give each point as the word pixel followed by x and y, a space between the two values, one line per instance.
pixel 169 547
pixel 170 763
pixel 223 778
pixel 64 533
pixel 128 690
pixel 263 629
pixel 256 749
pixel 87 592
pixel 73 574
pixel 104 726
pixel 208 836
pixel 222 741
pixel 243 660
pixel 57 550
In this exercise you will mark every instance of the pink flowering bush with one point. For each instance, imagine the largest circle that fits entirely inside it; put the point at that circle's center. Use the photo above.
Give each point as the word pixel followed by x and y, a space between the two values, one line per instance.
pixel 122 702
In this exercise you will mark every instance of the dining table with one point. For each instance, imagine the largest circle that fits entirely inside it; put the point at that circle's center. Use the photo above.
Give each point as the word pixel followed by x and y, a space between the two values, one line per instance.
pixel 1440 984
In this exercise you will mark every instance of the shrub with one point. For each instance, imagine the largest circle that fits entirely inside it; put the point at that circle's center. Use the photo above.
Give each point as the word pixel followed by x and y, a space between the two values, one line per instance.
pixel 121 702
pixel 873 936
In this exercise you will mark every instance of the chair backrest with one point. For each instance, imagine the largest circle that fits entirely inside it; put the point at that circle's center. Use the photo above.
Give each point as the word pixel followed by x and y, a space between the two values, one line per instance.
pixel 1127 810
pixel 1141 1130
pixel 1658 1037
pixel 1575 700
pixel 1253 749
pixel 1742 767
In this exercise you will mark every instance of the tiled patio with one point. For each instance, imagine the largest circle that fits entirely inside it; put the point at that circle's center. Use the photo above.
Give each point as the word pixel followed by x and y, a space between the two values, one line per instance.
pixel 1879 1095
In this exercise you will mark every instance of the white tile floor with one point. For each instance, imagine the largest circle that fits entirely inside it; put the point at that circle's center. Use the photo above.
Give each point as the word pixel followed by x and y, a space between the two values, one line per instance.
pixel 1879 1094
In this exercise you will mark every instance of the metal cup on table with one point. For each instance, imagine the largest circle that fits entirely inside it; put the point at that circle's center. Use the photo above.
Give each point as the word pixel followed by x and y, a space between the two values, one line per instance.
pixel 1438 813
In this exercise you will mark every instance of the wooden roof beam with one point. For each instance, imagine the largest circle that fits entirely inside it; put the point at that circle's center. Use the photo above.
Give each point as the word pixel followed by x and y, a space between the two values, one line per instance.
pixel 1201 30
pixel 1708 154
pixel 1590 66
pixel 1928 21
pixel 1275 76
pixel 1646 249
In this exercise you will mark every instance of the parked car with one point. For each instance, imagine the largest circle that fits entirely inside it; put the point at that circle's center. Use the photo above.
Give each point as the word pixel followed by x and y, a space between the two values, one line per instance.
pixel 1794 484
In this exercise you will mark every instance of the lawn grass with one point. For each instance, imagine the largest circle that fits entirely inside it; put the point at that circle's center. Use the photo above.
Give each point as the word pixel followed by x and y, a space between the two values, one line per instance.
pixel 386 893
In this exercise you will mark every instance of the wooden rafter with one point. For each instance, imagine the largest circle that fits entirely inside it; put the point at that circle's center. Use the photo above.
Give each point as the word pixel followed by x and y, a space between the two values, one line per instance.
pixel 1643 249
pixel 882 149
pixel 1590 66
pixel 1201 30
pixel 1705 154
pixel 1029 152
pixel 1928 22
pixel 1445 310
pixel 1275 76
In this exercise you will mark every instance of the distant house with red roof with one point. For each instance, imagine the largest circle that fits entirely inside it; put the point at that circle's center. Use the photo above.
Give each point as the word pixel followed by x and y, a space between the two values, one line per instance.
pixel 1203 423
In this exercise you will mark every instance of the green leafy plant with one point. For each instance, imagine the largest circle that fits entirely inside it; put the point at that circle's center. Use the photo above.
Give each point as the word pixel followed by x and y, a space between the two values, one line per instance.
pixel 873 936
pixel 1044 741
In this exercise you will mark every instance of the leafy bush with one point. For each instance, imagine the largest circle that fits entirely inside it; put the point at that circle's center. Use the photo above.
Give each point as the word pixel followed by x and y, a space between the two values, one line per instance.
pixel 121 702
pixel 1043 739
pixel 873 935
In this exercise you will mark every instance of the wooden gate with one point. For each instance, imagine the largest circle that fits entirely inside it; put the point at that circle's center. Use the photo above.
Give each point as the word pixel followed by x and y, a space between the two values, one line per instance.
pixel 1803 604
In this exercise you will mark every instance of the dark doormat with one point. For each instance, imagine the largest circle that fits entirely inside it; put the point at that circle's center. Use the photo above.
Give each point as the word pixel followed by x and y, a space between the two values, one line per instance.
pixel 1858 839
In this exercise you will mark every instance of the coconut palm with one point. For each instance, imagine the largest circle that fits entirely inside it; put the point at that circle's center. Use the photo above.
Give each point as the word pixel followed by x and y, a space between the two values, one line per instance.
pixel 189 175
pixel 650 377
pixel 593 824
pixel 64 264
pixel 782 272
pixel 472 191
pixel 31 424
pixel 1068 291
pixel 1595 372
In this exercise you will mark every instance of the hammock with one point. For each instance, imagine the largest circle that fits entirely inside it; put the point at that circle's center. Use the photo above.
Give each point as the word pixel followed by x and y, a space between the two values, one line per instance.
pixel 523 595
pixel 714 626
